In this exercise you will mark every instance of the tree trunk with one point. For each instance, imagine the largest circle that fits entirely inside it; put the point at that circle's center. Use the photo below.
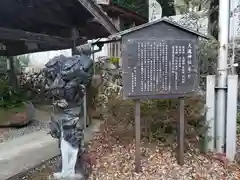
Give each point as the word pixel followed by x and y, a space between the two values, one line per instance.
pixel 11 73
pixel 213 18
pixel 168 8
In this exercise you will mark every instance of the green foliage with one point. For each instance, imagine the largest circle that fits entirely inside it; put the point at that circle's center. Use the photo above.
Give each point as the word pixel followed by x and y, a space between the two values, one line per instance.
pixel 115 61
pixel 159 118
pixel 168 7
pixel 20 63
pixel 208 52
pixel 3 64
pixel 208 49
pixel 211 9
pixel 140 6
pixel 10 97
pixel 213 18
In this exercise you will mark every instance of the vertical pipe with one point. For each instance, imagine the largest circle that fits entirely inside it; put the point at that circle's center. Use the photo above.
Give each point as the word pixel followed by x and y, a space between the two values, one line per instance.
pixel 222 74
pixel 138 137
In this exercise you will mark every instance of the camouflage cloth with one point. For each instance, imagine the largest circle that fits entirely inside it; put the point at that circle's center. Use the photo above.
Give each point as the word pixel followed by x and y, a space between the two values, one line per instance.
pixel 68 125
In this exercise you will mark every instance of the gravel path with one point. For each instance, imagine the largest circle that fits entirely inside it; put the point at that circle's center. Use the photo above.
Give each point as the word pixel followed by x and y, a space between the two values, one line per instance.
pixel 43 172
pixel 41 122
pixel 40 173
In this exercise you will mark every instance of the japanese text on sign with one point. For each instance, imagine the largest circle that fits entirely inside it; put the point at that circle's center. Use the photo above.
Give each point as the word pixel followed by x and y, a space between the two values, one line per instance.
pixel 161 66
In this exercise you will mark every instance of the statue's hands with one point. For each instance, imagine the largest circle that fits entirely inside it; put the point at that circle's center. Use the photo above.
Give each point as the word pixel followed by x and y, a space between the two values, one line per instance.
pixel 61 103
pixel 55 129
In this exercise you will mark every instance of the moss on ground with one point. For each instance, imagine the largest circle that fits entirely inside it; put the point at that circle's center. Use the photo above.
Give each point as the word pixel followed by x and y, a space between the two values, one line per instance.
pixel 5 114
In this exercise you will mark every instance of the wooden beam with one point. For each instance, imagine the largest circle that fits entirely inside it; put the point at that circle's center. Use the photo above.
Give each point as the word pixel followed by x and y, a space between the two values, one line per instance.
pixel 23 50
pixel 7 34
pixel 36 12
pixel 99 14
pixel 15 42
pixel 125 12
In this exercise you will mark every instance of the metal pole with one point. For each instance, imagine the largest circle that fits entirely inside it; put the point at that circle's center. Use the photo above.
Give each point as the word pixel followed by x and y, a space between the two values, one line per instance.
pixel 138 137
pixel 85 109
pixel 181 132
pixel 222 74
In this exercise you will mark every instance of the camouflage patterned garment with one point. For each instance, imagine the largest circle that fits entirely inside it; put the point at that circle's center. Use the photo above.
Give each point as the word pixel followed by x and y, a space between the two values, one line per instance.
pixel 68 125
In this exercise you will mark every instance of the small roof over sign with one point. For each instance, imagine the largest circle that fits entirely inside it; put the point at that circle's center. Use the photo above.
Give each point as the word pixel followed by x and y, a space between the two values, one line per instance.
pixel 118 35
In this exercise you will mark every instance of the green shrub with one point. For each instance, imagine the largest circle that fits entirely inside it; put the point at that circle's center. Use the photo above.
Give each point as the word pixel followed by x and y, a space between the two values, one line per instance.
pixel 159 117
pixel 9 96
pixel 115 61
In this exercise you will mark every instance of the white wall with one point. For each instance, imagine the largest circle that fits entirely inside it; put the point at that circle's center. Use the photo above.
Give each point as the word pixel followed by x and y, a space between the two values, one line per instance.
pixel 41 58
pixel 38 60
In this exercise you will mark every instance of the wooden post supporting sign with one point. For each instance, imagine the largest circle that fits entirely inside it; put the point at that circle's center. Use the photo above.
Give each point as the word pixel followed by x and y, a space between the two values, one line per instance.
pixel 181 132
pixel 138 136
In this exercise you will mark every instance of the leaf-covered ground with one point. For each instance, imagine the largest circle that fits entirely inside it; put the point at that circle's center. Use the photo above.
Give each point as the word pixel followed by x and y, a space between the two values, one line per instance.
pixel 114 150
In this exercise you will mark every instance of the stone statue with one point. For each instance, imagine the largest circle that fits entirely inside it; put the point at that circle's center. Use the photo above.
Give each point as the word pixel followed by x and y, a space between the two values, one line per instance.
pixel 67 128
pixel 69 78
